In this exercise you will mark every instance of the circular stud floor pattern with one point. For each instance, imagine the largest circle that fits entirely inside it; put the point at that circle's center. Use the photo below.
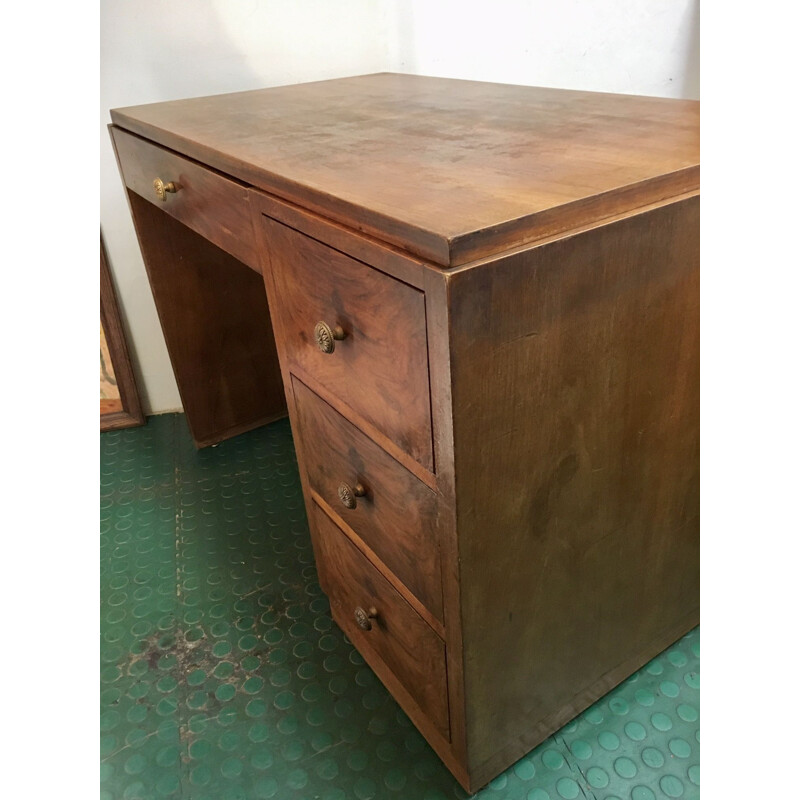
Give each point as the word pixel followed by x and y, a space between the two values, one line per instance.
pixel 223 676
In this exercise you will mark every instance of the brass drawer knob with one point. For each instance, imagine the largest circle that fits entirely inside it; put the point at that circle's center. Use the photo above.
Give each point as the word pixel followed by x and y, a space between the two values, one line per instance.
pixel 348 494
pixel 364 618
pixel 326 337
pixel 162 188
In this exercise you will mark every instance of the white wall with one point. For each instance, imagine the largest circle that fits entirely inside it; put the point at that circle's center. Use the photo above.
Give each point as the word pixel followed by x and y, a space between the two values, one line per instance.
pixel 155 50
pixel 648 47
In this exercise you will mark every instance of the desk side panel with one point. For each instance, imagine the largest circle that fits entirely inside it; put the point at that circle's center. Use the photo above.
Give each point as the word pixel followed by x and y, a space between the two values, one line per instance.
pixel 214 315
pixel 575 369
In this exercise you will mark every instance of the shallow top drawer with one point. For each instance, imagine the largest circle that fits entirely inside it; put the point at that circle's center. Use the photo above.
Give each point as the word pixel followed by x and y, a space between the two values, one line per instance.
pixel 214 206
pixel 357 334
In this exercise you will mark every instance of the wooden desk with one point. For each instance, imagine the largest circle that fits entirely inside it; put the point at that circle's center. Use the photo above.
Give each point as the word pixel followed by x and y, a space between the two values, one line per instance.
pixel 485 305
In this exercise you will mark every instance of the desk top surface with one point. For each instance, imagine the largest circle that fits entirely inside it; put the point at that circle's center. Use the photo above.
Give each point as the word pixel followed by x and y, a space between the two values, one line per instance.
pixel 448 170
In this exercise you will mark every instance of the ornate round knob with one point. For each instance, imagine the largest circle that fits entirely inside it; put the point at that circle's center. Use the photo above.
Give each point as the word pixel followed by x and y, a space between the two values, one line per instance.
pixel 348 494
pixel 326 337
pixel 162 188
pixel 364 618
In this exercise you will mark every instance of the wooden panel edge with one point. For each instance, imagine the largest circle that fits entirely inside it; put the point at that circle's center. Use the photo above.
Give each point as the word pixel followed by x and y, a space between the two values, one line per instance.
pixel 438 322
pixel 571 217
pixel 566 234
pixel 131 414
pixel 269 287
pixel 118 420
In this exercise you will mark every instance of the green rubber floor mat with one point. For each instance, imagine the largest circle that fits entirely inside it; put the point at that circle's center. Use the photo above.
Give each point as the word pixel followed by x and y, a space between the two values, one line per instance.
pixel 223 676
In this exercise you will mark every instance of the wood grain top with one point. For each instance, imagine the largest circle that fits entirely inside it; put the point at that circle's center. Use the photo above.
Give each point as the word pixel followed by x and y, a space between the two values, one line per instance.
pixel 449 170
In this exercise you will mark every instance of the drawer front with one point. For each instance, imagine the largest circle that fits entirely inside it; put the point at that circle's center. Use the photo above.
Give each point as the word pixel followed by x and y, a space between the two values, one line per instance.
pixel 399 640
pixel 380 368
pixel 214 206
pixel 396 517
